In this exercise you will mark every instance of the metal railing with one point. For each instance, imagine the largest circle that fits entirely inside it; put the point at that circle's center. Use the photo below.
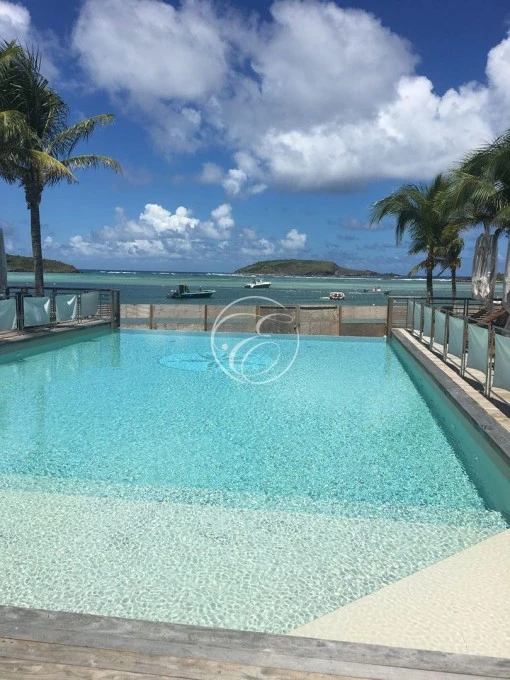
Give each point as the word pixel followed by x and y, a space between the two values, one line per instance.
pixel 452 331
pixel 85 304
pixel 398 307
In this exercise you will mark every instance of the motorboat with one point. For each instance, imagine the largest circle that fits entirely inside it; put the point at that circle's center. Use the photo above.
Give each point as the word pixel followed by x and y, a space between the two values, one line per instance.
pixel 336 295
pixel 376 289
pixel 257 283
pixel 184 293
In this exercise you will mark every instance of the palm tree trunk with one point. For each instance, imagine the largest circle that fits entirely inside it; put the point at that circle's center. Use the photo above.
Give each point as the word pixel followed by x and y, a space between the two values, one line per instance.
pixel 430 290
pixel 33 201
pixel 454 281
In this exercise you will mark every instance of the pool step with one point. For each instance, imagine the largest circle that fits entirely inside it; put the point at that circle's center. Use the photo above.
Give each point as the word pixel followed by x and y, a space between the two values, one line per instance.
pixel 210 563
pixel 463 516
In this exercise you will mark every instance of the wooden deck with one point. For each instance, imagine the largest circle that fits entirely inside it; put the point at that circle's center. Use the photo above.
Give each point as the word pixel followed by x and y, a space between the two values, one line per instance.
pixel 57 646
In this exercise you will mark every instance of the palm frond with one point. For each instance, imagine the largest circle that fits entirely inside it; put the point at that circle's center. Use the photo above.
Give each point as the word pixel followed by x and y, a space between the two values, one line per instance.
pixel 8 52
pixel 418 267
pixel 92 161
pixel 13 129
pixel 49 169
pixel 63 144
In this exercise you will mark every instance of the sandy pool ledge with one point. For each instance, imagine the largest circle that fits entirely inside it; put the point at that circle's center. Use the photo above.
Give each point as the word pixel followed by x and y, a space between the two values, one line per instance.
pixel 460 604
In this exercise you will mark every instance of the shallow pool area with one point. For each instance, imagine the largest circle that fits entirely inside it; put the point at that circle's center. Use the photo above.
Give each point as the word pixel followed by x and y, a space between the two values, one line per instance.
pixel 138 479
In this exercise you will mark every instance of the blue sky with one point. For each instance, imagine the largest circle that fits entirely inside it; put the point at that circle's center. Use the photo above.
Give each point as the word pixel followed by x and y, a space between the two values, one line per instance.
pixel 257 130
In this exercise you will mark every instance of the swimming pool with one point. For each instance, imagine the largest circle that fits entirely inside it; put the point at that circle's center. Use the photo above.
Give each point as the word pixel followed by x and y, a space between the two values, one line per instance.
pixel 138 480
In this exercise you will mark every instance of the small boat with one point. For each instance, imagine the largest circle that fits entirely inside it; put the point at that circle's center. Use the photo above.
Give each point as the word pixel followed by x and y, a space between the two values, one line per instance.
pixel 184 293
pixel 336 295
pixel 258 283
pixel 377 289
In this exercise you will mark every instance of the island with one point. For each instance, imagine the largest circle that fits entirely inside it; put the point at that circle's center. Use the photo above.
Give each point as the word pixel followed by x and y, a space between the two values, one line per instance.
pixel 20 263
pixel 306 268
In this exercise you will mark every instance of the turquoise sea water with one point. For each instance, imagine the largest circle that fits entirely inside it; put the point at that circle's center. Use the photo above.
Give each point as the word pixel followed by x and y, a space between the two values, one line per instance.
pixel 138 479
pixel 140 287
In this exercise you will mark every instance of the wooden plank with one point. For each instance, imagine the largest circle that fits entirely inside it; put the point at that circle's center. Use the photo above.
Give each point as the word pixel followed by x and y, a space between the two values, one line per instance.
pixel 52 626
pixel 19 670
pixel 15 669
pixel 293 653
pixel 145 665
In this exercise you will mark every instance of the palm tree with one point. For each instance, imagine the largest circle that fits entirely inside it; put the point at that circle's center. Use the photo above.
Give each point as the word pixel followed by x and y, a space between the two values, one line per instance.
pixel 423 212
pixel 480 190
pixel 450 259
pixel 36 142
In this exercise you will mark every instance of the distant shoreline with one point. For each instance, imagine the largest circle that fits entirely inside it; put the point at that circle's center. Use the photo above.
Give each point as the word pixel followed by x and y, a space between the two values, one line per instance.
pixel 292 267
pixel 22 264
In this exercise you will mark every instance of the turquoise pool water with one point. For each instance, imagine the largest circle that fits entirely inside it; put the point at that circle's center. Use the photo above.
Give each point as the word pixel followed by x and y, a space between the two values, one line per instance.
pixel 137 479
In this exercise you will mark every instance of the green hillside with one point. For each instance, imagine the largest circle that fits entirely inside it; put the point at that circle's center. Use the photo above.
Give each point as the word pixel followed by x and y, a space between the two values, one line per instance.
pixel 304 268
pixel 20 263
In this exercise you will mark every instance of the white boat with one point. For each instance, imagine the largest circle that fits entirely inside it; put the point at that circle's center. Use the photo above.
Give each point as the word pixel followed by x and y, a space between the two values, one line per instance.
pixel 258 283
pixel 337 295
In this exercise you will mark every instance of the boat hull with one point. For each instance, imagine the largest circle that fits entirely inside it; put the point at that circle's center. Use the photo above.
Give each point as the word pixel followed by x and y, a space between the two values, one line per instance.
pixel 188 296
pixel 257 285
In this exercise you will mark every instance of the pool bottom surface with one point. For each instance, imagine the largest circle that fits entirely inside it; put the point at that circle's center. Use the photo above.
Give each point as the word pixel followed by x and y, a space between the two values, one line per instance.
pixel 213 564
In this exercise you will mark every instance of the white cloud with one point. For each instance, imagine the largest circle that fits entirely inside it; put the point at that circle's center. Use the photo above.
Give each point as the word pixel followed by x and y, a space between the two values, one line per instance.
pixel 158 232
pixel 150 49
pixel 15 24
pixel 50 242
pixel 211 173
pixel 81 246
pixel 256 189
pixel 14 21
pixel 259 247
pixel 293 240
pixel 317 97
pixel 161 234
pixel 221 225
pixel 254 246
pixel 234 181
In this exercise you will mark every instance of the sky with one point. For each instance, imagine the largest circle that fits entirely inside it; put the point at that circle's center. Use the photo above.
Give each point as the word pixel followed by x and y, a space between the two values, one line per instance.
pixel 257 130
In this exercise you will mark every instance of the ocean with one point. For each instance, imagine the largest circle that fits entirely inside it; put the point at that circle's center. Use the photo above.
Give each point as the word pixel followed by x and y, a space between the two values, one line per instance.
pixel 153 287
